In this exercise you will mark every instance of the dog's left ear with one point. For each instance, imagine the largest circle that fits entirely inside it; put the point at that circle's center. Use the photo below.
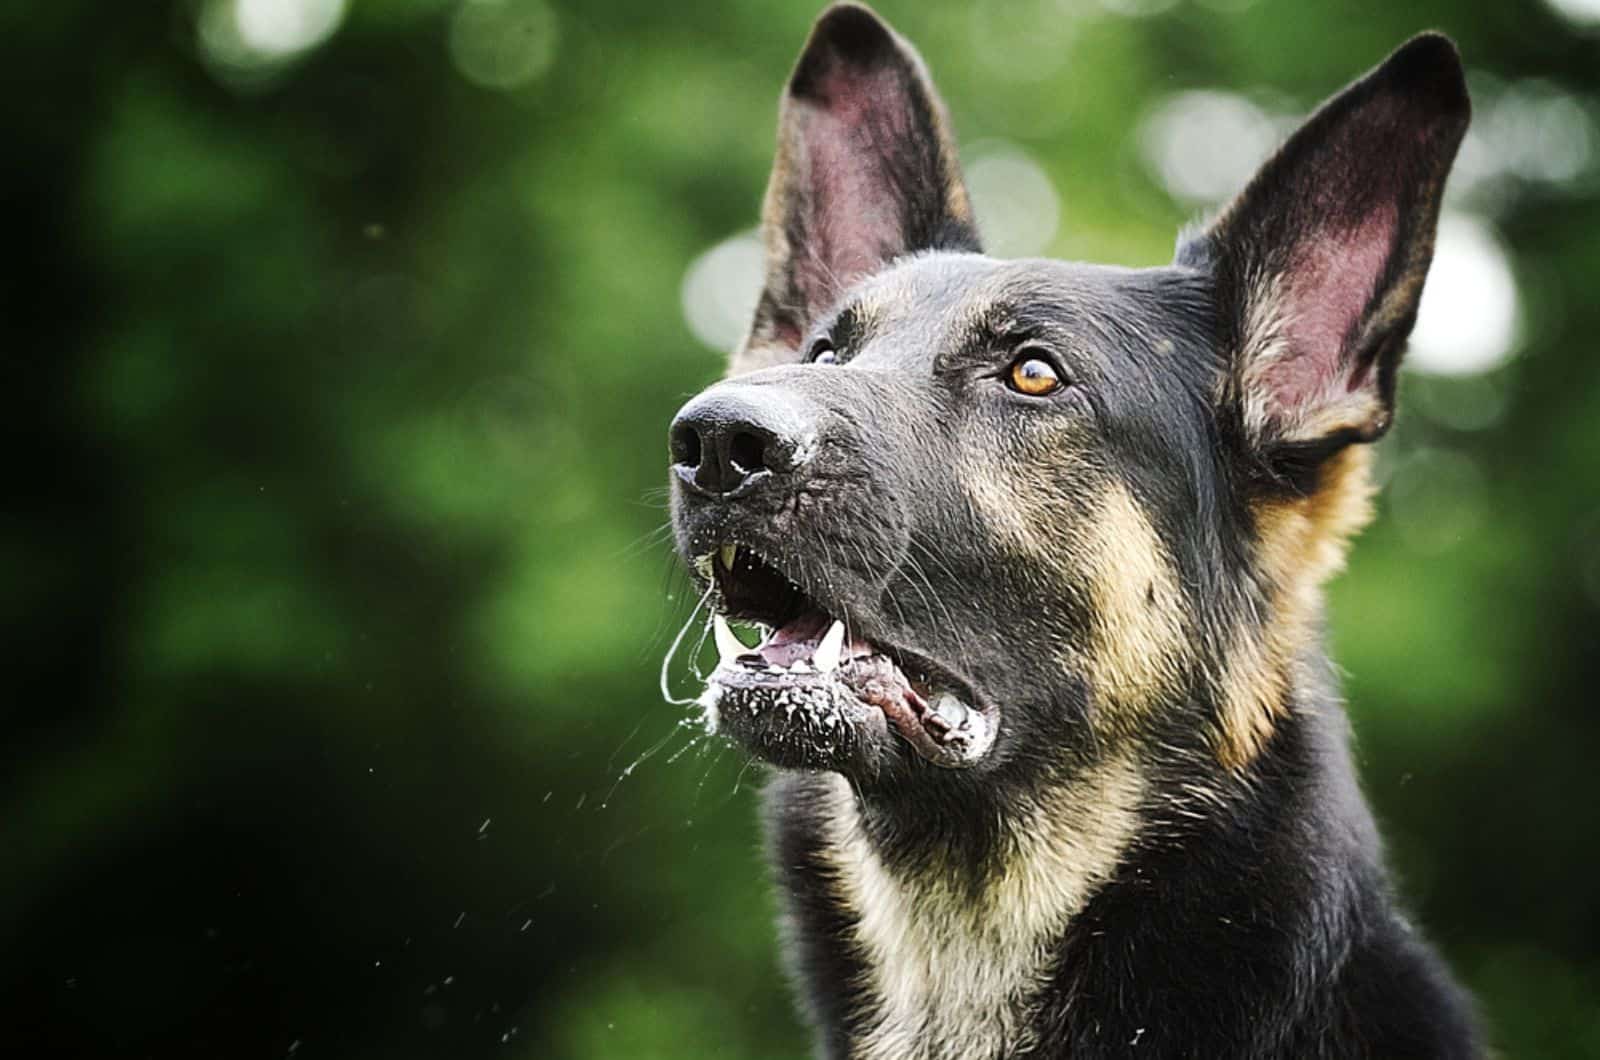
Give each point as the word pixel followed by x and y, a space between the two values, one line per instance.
pixel 866 171
pixel 1319 263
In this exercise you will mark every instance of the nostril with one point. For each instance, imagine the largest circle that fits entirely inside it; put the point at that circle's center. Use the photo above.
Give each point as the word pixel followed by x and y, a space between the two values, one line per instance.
pixel 744 452
pixel 686 446
pixel 733 438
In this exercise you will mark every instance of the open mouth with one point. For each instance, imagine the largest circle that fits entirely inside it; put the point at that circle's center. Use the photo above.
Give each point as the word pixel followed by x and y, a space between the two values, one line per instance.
pixel 815 692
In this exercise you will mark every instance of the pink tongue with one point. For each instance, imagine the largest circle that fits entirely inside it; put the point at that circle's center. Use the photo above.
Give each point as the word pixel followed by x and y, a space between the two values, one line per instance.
pixel 799 639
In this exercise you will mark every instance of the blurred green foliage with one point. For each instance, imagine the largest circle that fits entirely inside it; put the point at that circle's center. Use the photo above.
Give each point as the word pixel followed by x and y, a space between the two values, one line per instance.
pixel 337 586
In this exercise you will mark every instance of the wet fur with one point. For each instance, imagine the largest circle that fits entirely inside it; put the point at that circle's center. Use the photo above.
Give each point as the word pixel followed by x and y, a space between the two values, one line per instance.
pixel 1167 853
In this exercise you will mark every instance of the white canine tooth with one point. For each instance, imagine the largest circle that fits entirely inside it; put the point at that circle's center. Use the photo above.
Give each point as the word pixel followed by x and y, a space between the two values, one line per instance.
pixel 729 646
pixel 728 552
pixel 826 657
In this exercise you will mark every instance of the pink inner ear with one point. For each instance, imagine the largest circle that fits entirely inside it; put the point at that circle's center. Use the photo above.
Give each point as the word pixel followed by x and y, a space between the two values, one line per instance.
pixel 858 125
pixel 1325 289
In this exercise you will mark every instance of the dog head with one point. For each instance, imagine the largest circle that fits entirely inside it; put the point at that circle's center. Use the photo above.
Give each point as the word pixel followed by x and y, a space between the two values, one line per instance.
pixel 999 514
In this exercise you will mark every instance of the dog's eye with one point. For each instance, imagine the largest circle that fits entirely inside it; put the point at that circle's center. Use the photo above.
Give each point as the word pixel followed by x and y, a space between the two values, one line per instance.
pixel 1033 375
pixel 822 352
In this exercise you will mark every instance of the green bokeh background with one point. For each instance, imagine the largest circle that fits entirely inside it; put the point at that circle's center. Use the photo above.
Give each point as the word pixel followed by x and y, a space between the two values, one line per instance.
pixel 336 587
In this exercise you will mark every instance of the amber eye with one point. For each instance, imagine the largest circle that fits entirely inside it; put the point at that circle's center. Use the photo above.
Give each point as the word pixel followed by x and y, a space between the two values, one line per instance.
pixel 1034 376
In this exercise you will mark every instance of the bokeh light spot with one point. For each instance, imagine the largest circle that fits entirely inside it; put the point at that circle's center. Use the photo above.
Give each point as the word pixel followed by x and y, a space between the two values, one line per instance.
pixel 1203 145
pixel 503 44
pixel 1468 318
pixel 1017 207
pixel 1023 41
pixel 1582 12
pixel 1540 132
pixel 248 43
pixel 284 27
pixel 720 289
pixel 1532 131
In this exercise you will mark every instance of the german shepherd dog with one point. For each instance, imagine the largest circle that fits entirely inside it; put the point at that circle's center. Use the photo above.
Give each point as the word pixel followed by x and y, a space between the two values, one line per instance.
pixel 1038 549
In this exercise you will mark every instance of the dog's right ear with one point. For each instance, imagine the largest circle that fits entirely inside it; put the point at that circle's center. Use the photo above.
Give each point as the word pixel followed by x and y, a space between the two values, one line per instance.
pixel 866 171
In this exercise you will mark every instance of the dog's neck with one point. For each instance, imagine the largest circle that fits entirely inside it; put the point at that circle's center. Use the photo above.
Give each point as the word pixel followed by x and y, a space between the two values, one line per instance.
pixel 956 926
pixel 971 828
pixel 955 946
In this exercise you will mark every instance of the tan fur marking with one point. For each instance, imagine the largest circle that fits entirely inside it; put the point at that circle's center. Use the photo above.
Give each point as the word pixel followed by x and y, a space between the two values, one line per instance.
pixel 953 974
pixel 1097 540
pixel 1252 689
pixel 1139 634
pixel 1300 543
pixel 1005 516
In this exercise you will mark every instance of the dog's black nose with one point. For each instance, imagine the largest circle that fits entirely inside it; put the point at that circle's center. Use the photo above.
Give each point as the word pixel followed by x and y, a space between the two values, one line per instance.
pixel 734 436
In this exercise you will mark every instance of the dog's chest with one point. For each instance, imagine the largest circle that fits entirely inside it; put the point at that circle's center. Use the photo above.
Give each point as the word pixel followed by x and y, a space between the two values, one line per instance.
pixel 942 982
pixel 954 975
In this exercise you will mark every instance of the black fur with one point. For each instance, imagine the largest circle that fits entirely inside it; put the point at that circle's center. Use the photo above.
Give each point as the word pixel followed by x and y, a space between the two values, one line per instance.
pixel 1270 931
pixel 961 527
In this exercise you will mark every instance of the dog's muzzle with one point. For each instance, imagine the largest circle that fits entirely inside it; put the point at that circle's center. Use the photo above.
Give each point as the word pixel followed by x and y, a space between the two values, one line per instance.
pixel 822 689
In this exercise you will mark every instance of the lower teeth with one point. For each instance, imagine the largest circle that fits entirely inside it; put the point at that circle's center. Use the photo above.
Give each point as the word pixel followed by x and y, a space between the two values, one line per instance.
pixel 952 710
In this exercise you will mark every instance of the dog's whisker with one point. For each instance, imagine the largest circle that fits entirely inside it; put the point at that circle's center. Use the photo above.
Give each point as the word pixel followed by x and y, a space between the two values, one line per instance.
pixel 644 542
pixel 674 584
pixel 938 608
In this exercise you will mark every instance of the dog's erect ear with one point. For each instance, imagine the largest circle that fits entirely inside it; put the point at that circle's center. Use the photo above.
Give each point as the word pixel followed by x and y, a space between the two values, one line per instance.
pixel 1319 263
pixel 866 171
